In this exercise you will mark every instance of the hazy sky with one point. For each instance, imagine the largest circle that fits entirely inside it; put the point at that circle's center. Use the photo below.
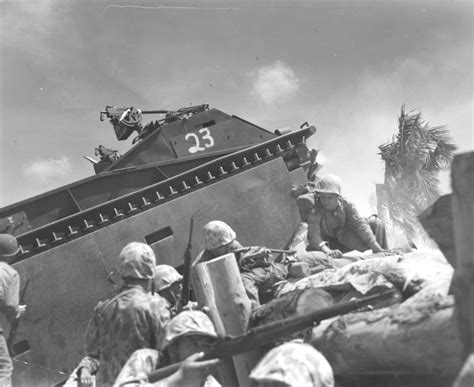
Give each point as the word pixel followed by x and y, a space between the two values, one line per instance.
pixel 344 66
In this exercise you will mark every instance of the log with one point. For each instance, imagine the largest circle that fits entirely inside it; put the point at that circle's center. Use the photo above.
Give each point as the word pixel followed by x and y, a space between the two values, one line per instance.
pixel 438 223
pixel 416 337
pixel 218 286
pixel 409 273
pixel 296 303
pixel 462 174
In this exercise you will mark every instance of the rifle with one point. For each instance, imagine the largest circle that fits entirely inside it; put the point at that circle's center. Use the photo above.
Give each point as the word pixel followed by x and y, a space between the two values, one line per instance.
pixel 187 267
pixel 258 258
pixel 16 323
pixel 277 251
pixel 268 333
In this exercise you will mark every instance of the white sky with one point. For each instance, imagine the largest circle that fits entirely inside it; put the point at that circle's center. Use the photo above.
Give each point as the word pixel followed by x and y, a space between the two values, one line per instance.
pixel 345 67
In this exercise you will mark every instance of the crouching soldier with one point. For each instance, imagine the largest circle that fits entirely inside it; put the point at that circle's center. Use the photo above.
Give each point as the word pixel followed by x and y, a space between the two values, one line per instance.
pixel 262 277
pixel 334 224
pixel 293 365
pixel 187 335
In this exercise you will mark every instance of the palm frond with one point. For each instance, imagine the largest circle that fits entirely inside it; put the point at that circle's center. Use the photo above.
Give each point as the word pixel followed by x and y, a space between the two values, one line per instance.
pixel 413 158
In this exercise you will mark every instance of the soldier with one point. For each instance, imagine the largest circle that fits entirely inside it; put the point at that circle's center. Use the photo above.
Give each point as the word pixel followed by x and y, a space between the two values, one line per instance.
pixel 261 275
pixel 130 319
pixel 334 224
pixel 219 239
pixel 168 283
pixel 186 336
pixel 293 365
pixel 9 300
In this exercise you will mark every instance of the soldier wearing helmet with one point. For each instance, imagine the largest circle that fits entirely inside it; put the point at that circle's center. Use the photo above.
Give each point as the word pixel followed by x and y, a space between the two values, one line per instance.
pixel 130 319
pixel 219 239
pixel 334 224
pixel 9 300
pixel 168 283
pixel 293 365
pixel 186 335
pixel 264 277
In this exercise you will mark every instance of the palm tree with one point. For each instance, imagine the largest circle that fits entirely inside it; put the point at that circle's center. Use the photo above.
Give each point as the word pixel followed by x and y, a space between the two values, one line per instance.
pixel 413 159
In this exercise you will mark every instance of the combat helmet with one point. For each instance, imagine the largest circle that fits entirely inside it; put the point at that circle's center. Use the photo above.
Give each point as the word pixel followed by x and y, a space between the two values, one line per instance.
pixel 295 365
pixel 8 246
pixel 188 322
pixel 136 260
pixel 329 184
pixel 165 276
pixel 217 234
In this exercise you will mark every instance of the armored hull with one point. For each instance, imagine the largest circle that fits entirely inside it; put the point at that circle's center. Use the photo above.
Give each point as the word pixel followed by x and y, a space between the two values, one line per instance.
pixel 70 237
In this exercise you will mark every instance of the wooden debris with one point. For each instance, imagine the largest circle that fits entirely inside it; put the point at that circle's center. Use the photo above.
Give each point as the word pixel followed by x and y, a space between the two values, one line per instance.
pixel 462 173
pixel 416 337
pixel 218 286
pixel 296 303
pixel 438 222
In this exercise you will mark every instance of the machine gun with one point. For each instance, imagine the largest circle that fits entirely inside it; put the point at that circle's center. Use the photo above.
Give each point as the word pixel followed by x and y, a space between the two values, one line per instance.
pixel 126 120
pixel 269 333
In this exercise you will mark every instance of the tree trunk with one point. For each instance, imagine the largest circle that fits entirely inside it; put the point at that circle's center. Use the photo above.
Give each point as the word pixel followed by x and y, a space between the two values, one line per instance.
pixel 417 337
pixel 438 223
pixel 218 286
pixel 462 174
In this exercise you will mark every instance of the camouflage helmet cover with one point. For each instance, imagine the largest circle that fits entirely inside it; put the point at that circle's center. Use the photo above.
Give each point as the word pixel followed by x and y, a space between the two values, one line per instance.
pixel 165 276
pixel 136 260
pixel 8 246
pixel 217 234
pixel 296 365
pixel 329 184
pixel 188 322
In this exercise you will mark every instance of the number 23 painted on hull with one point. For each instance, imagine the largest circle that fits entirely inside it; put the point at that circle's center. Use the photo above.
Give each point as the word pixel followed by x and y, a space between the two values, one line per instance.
pixel 206 139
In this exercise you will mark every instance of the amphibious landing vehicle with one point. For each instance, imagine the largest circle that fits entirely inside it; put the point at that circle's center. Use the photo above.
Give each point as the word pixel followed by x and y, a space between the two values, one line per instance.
pixel 194 162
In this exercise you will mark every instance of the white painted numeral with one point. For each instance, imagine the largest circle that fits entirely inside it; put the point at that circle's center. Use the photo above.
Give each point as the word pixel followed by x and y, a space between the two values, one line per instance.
pixel 208 140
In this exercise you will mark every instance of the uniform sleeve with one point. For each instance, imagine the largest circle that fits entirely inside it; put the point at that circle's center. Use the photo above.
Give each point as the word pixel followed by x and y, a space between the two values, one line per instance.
pixel 9 297
pixel 359 224
pixel 305 204
pixel 315 238
pixel 159 315
pixel 91 337
pixel 138 366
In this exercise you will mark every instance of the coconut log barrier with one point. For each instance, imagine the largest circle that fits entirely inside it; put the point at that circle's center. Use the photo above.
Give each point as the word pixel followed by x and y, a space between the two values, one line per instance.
pixel 218 288
pixel 268 333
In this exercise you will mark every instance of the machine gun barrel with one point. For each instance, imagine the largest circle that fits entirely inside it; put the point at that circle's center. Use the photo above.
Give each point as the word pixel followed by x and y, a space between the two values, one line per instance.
pixel 268 333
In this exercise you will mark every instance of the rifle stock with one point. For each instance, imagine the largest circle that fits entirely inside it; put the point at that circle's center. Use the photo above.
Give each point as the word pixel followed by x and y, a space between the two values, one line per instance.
pixel 268 333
